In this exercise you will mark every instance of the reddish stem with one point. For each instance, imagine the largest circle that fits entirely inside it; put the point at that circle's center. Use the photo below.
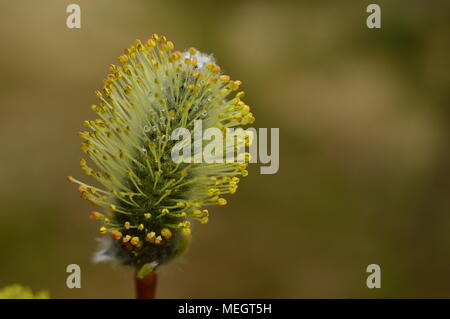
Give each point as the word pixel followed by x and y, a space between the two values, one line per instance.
pixel 146 287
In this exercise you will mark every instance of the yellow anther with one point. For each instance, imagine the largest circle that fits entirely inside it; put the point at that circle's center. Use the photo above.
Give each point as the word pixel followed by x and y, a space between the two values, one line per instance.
pixel 96 215
pixel 147 215
pixel 183 224
pixel 151 43
pixel 204 220
pixel 215 69
pixel 126 239
pixel 134 241
pixel 186 231
pixel 113 68
pixel 141 227
pixel 239 105
pixel 224 78
pixel 158 239
pixel 103 230
pixel 222 201
pixel 123 59
pixel 245 109
pixel 164 211
pixel 234 85
pixel 166 233
pixel 150 236
pixel 213 192
pixel 128 89
pixel 115 234
pixel 180 204
pixel 192 51
pixel 170 45
pixel 127 225
pixel 82 188
pixel 176 55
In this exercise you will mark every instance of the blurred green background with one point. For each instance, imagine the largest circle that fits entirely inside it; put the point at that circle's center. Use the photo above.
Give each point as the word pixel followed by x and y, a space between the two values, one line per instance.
pixel 364 159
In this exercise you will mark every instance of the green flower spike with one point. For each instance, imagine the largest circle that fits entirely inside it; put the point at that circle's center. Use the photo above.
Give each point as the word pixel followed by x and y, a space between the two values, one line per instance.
pixel 152 200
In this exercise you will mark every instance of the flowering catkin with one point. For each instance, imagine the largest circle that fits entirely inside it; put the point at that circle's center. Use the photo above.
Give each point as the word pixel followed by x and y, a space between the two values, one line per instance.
pixel 150 199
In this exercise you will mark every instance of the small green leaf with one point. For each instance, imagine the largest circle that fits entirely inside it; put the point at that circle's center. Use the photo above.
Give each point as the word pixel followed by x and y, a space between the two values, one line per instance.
pixel 144 271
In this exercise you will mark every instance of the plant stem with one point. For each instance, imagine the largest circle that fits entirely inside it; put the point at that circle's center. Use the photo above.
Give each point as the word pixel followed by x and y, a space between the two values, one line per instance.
pixel 146 287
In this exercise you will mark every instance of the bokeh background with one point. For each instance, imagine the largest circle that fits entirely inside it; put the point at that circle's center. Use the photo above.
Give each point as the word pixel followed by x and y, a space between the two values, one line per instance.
pixel 364 157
